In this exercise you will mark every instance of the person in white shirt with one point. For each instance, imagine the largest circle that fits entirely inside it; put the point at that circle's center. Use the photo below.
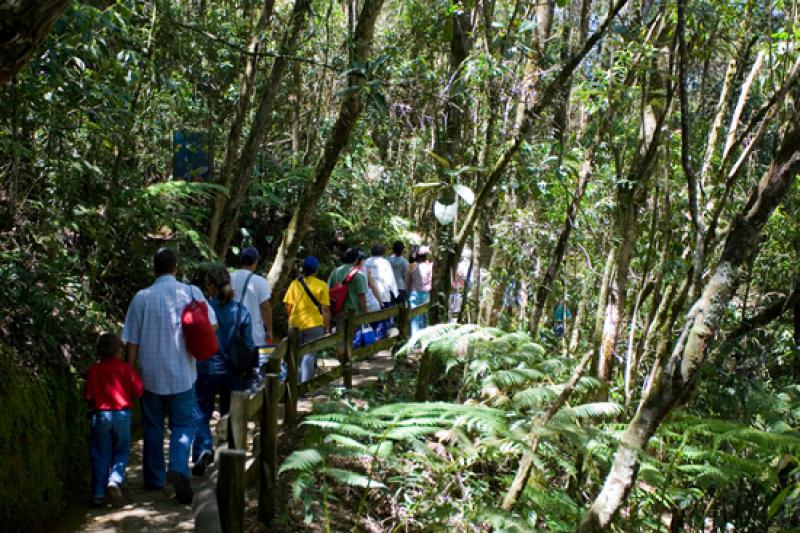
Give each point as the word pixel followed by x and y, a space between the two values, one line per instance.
pixel 154 338
pixel 254 292
pixel 381 271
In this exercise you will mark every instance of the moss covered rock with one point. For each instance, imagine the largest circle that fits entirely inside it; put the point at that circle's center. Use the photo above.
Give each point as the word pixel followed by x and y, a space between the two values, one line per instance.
pixel 43 443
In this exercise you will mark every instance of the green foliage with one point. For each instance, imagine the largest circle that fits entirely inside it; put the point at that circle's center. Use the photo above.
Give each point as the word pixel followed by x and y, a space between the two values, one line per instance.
pixel 433 457
pixel 36 481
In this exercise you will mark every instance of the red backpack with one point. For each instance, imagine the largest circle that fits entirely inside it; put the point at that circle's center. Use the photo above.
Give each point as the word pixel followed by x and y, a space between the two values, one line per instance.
pixel 339 292
pixel 201 339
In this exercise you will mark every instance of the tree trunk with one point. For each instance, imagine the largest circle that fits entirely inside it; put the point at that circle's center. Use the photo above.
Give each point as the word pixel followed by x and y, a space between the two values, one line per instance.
pixel 526 463
pixel 701 325
pixel 240 184
pixel 240 112
pixel 544 99
pixel 450 146
pixel 631 195
pixel 24 25
pixel 557 257
pixel 349 112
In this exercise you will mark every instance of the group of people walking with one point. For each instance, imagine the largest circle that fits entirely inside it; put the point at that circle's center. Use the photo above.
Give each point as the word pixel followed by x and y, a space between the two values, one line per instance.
pixel 174 386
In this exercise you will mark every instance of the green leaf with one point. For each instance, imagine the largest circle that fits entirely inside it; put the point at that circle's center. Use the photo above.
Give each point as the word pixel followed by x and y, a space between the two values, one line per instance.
pixel 778 501
pixel 439 159
pixel 302 460
pixel 353 479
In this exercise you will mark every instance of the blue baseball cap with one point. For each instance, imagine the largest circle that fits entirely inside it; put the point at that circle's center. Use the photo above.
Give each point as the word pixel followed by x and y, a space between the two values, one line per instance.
pixel 250 254
pixel 311 263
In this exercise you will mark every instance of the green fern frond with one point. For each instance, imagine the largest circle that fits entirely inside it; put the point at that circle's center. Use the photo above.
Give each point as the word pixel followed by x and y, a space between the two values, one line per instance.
pixel 352 479
pixel 536 396
pixel 343 441
pixel 504 521
pixel 592 410
pixel 302 460
pixel 509 379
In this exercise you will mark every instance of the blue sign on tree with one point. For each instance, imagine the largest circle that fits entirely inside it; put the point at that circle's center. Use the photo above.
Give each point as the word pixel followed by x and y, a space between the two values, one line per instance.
pixel 190 156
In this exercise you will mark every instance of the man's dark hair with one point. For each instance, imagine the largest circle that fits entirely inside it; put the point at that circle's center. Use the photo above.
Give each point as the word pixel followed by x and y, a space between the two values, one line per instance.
pixel 108 345
pixel 165 261
pixel 351 255
pixel 378 250
pixel 308 271
pixel 397 248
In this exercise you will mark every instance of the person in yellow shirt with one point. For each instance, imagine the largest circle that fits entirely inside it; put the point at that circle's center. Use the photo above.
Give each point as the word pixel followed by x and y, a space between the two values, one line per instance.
pixel 307 305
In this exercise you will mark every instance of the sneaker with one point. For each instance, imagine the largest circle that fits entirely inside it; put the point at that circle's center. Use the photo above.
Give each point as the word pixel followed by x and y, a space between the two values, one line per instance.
pixel 98 501
pixel 182 486
pixel 114 491
pixel 199 468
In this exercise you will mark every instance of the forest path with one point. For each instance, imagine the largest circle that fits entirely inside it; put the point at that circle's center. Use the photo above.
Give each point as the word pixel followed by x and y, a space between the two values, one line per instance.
pixel 143 510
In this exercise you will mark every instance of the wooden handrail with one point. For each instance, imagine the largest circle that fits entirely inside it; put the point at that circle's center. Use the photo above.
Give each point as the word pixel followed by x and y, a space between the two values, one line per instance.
pixel 262 405
pixel 322 343
pixel 377 316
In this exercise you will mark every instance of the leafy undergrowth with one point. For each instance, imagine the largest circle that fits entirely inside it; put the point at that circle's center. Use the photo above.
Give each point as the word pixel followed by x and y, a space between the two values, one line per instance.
pixel 369 464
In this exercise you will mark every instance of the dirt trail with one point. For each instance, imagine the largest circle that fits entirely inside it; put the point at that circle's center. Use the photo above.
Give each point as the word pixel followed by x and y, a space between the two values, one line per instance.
pixel 146 511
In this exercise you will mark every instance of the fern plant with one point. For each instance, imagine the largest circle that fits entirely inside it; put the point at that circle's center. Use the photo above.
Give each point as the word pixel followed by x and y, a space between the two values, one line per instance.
pixel 443 464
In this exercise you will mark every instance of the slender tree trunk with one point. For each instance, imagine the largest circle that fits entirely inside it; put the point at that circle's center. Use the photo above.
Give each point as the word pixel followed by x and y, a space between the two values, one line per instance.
pixel 449 145
pixel 241 181
pixel 532 117
pixel 526 463
pixel 631 195
pixel 702 323
pixel 349 112
pixel 240 112
pixel 557 256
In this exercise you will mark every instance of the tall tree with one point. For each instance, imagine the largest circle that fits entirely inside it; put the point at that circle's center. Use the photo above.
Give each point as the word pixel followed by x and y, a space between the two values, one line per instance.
pixel 349 111
pixel 225 222
pixel 240 113
pixel 676 374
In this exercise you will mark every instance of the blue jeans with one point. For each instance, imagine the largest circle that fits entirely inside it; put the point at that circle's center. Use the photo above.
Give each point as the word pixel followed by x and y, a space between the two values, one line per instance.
pixel 180 409
pixel 308 365
pixel 417 298
pixel 109 446
pixel 207 387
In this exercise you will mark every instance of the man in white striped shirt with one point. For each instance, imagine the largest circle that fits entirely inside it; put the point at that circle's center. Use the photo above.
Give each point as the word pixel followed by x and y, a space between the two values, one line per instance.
pixel 154 338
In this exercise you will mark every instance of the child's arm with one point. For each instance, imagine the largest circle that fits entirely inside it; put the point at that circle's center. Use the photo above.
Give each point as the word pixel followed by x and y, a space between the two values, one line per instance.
pixel 137 388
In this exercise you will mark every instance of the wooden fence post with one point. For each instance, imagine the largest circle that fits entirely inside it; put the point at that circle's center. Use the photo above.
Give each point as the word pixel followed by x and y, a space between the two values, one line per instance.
pixel 404 323
pixel 423 377
pixel 269 450
pixel 237 421
pixel 230 490
pixel 347 355
pixel 290 415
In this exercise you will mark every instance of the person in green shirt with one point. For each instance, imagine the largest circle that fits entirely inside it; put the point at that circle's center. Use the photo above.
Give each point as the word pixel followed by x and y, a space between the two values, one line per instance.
pixel 357 288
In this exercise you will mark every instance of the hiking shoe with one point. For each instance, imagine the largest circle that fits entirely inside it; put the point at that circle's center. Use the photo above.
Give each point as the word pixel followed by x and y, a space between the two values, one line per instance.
pixel 182 486
pixel 199 468
pixel 98 501
pixel 114 491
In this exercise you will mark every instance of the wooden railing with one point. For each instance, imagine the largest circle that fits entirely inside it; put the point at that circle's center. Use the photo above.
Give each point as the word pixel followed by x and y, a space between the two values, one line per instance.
pixel 241 462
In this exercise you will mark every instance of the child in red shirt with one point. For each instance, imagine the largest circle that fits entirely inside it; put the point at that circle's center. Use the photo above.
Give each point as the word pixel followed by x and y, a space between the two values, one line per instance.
pixel 111 386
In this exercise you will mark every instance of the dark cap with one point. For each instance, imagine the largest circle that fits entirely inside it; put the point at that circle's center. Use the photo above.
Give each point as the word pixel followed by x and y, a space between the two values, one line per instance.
pixel 249 254
pixel 311 263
